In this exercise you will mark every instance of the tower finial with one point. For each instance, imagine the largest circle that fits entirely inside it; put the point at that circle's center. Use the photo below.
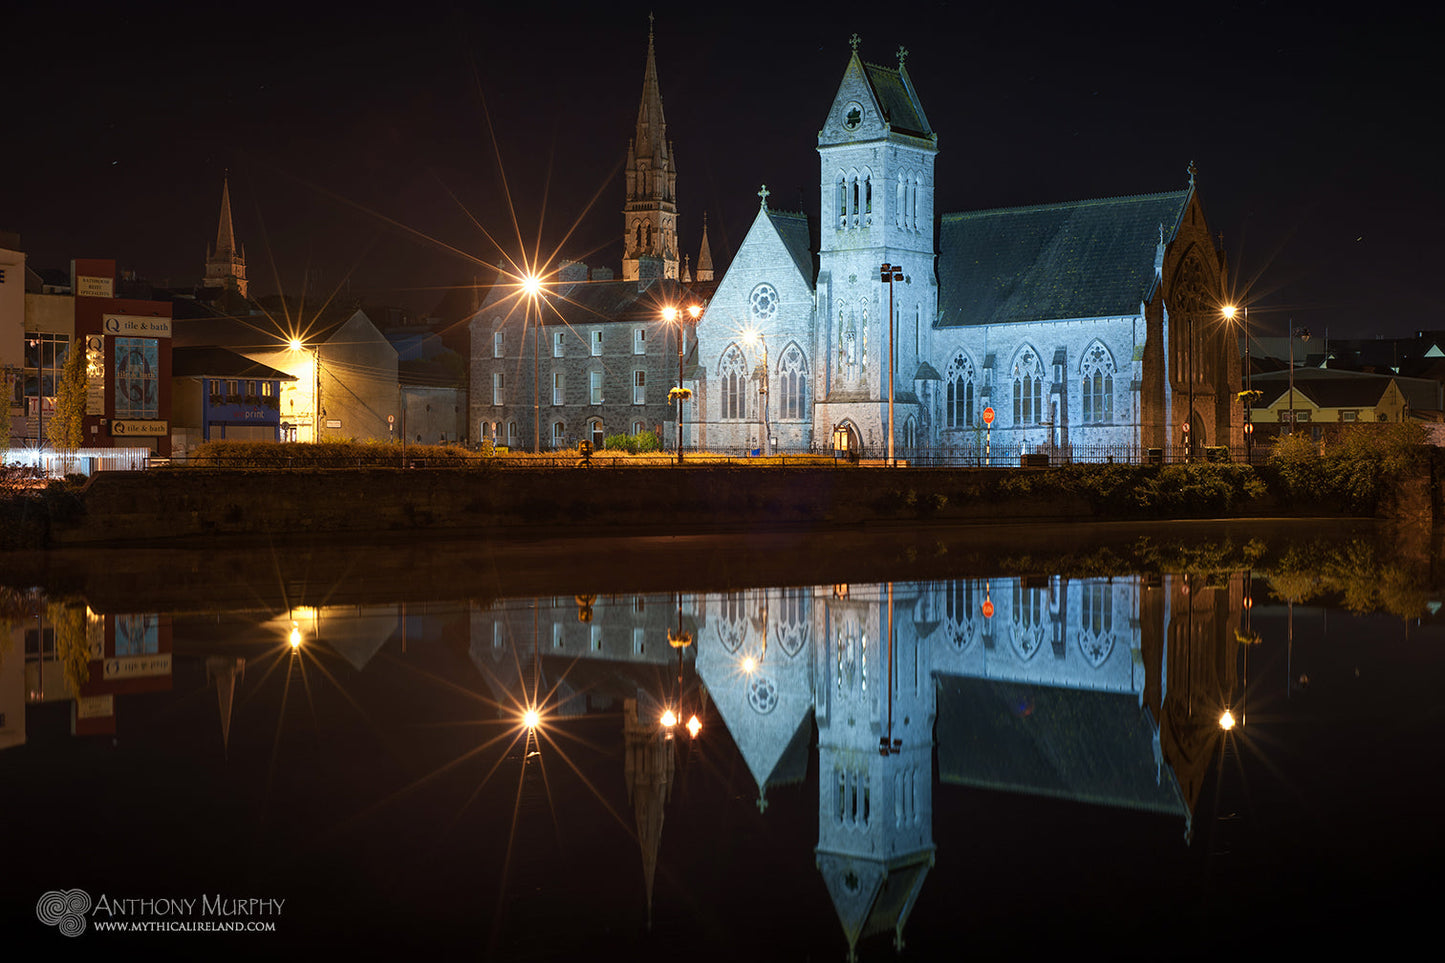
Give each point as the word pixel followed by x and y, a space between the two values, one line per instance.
pixel 902 55
pixel 764 195
pixel 854 41
pixel 650 18
pixel 1192 171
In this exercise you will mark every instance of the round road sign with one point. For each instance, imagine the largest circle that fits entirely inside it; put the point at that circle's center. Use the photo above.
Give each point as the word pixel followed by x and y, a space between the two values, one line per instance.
pixel 988 416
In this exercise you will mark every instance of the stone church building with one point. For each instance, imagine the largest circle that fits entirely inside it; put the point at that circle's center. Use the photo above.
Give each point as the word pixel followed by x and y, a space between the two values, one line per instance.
pixel 1082 330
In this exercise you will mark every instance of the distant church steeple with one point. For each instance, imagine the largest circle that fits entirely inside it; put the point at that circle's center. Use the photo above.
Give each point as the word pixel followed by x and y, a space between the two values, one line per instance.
pixel 704 257
pixel 226 263
pixel 649 217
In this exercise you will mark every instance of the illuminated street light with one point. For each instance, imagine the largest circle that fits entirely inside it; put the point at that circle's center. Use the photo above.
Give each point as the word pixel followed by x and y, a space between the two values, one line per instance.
pixel 532 287
pixel 672 315
pixel 295 638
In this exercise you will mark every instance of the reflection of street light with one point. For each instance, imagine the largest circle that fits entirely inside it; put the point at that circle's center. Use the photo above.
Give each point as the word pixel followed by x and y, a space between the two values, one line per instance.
pixel 672 315
pixel 753 337
pixel 1226 720
pixel 531 719
pixel 889 273
pixel 295 638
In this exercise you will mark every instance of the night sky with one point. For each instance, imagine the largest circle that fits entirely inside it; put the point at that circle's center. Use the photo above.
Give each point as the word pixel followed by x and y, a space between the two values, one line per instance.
pixel 360 151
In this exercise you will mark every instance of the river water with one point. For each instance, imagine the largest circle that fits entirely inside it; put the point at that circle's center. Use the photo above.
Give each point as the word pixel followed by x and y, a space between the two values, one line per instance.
pixel 1177 741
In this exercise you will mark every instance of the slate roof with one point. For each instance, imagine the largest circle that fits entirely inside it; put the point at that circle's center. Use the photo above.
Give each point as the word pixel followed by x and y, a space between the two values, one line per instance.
pixel 221 363
pixel 591 302
pixel 899 102
pixel 793 229
pixel 1095 747
pixel 1328 388
pixel 1083 259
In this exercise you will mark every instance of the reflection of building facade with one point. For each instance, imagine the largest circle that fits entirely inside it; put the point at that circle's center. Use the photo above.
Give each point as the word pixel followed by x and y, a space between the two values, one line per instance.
pixel 1098 690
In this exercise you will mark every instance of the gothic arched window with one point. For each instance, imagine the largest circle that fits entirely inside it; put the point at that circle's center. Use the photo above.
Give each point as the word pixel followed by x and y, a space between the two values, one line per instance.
pixel 1096 638
pixel 960 606
pixel 1096 379
pixel 793 620
pixel 959 392
pixel 1028 379
pixel 732 374
pixel 793 387
pixel 1030 604
pixel 842 199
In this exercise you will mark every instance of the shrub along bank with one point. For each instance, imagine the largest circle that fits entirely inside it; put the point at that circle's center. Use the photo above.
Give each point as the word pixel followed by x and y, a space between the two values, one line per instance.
pixel 1384 474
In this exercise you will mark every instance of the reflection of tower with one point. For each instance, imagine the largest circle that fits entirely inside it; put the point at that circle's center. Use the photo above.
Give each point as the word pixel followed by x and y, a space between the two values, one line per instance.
pixel 648 764
pixel 1199 674
pixel 224 669
pixel 875 812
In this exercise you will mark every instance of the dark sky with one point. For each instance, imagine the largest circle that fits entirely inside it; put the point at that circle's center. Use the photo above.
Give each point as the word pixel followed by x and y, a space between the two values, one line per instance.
pixel 359 146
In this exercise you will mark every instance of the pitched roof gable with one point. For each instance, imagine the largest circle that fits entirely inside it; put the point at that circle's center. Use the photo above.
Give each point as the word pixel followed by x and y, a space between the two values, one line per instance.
pixel 793 231
pixel 897 99
pixel 1082 259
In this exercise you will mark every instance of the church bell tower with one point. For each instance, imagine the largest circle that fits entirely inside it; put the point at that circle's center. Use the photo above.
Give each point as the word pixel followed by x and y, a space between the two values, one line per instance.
pixel 649 230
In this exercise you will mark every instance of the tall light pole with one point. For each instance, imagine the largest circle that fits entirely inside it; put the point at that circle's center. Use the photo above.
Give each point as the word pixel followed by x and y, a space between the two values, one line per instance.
pixel 1304 335
pixel 298 345
pixel 1231 312
pixel 672 315
pixel 756 337
pixel 889 273
pixel 532 287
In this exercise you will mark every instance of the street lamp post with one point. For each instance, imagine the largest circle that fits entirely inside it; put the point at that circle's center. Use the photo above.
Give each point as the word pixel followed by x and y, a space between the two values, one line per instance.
pixel 1230 313
pixel 758 337
pixel 298 345
pixel 532 287
pixel 672 315
pixel 1304 335
pixel 889 273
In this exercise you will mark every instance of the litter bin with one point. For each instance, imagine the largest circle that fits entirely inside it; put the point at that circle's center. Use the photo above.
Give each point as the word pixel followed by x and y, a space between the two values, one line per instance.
pixel 1034 461
pixel 1155 456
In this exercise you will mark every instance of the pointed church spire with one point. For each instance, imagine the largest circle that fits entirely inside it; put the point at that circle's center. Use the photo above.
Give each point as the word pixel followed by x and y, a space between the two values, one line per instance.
pixel 225 234
pixel 649 215
pixel 226 264
pixel 704 256
pixel 651 125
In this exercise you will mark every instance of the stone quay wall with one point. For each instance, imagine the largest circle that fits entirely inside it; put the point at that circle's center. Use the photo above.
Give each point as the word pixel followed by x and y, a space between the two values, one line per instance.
pixel 202 504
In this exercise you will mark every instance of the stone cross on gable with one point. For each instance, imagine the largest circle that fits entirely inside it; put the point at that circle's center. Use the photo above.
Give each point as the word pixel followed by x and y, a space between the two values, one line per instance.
pixel 902 55
pixel 854 41
pixel 764 195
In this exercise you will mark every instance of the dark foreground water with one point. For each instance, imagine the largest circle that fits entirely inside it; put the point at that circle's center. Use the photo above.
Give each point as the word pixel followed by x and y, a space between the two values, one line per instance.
pixel 321 759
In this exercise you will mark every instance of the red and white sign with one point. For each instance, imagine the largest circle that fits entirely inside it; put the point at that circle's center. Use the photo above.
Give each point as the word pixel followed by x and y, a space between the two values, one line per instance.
pixel 988 416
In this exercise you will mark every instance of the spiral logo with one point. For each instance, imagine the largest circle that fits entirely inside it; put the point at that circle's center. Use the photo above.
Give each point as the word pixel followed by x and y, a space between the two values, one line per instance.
pixel 65 909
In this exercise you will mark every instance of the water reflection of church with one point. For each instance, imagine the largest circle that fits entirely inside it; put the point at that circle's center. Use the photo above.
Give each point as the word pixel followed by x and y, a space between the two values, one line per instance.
pixel 1105 691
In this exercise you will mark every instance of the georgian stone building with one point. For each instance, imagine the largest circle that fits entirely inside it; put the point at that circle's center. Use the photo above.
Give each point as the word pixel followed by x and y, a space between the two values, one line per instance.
pixel 1086 330
pixel 594 355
